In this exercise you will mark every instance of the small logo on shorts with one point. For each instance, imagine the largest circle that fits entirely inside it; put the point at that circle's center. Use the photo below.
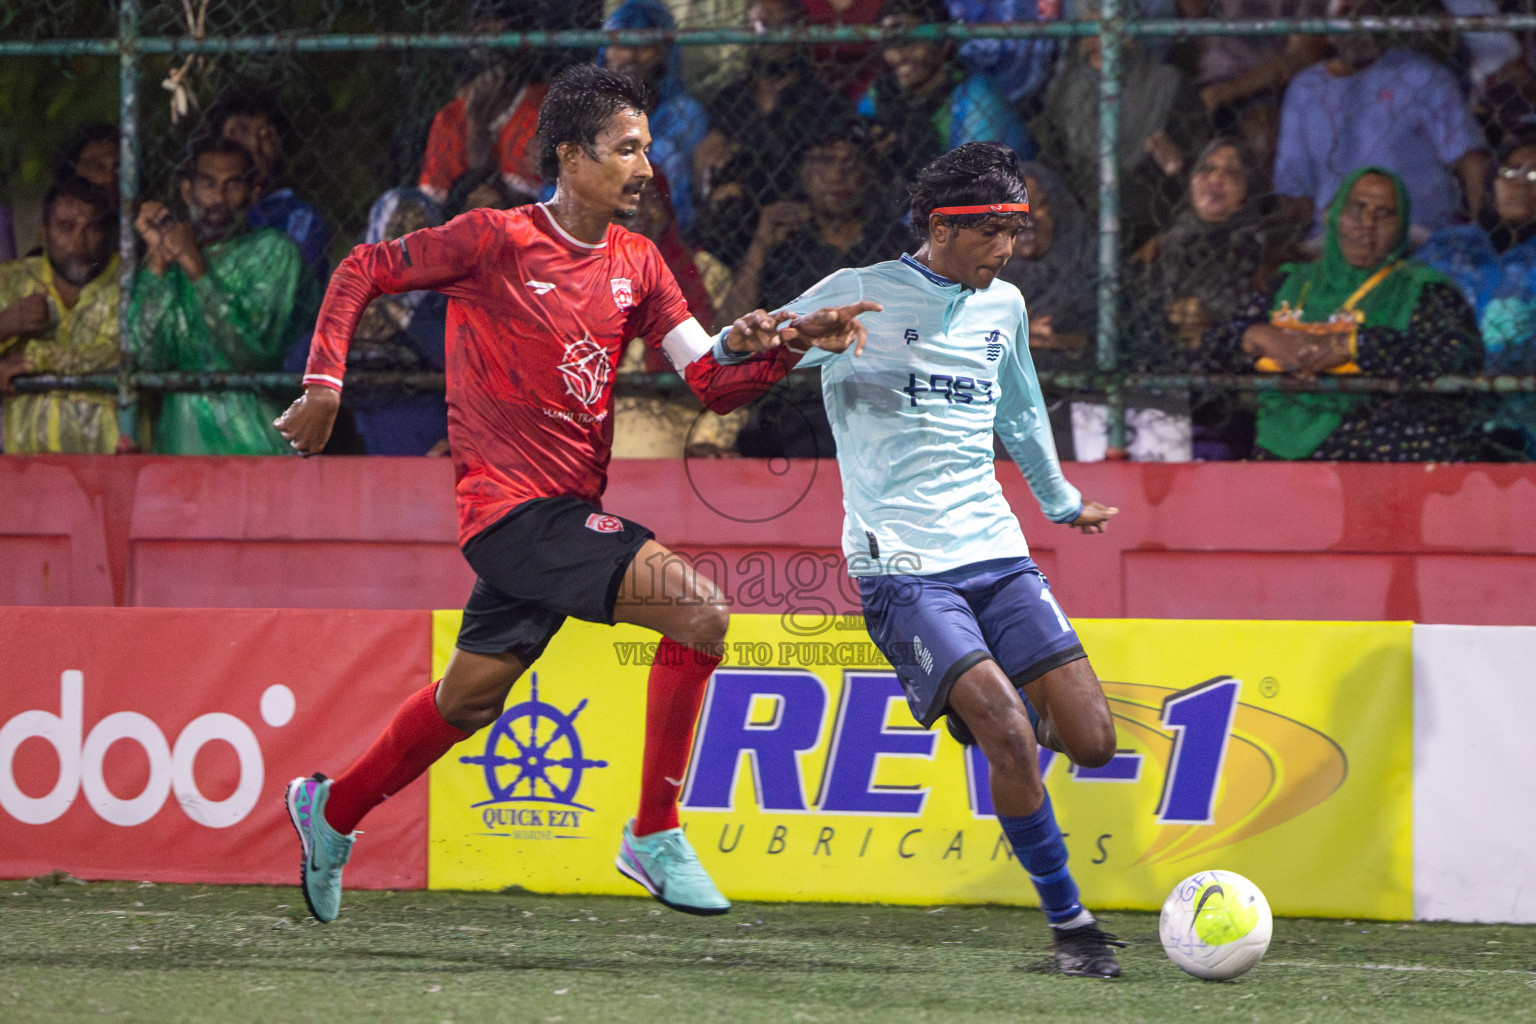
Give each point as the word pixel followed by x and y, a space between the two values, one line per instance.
pixel 923 655
pixel 605 524
pixel 623 292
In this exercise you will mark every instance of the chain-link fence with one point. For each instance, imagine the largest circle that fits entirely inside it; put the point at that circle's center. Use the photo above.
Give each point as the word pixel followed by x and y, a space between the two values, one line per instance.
pixel 1180 154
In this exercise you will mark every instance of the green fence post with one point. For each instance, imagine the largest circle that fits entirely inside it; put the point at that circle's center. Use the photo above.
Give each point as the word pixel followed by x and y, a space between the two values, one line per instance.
pixel 1109 210
pixel 128 188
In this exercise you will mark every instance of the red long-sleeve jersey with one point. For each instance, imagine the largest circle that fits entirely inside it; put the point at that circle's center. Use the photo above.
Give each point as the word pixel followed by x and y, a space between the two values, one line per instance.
pixel 537 323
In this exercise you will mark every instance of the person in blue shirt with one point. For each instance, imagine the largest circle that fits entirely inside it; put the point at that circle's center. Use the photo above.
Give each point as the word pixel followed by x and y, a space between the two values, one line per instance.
pixel 1369 105
pixel 254 119
pixel 949 591
pixel 678 122
pixel 1020 67
pixel 1493 262
pixel 925 102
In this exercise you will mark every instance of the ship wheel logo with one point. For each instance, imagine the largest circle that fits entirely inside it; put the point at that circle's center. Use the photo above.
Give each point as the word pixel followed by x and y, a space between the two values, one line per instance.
pixel 533 755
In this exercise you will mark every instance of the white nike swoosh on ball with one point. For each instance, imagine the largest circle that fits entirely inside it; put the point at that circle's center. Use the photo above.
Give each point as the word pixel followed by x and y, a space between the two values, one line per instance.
pixel 676 782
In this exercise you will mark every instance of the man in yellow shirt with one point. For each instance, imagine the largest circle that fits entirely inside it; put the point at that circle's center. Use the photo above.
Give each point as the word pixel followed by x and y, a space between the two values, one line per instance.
pixel 58 314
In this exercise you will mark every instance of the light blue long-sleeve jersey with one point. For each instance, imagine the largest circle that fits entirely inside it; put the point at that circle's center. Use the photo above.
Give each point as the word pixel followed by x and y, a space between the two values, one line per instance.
pixel 945 366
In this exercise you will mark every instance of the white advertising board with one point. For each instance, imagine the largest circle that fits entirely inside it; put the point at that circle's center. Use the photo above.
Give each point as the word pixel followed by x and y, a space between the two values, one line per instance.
pixel 1474 767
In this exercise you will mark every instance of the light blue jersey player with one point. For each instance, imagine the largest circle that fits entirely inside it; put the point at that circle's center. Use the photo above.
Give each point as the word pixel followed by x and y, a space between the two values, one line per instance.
pixel 950 593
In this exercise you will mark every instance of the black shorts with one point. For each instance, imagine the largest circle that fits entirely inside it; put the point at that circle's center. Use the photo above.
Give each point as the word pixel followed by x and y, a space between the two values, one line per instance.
pixel 547 559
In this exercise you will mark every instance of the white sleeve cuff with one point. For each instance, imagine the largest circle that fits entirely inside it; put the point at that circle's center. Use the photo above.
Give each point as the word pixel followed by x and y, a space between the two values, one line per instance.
pixel 685 343
pixel 320 378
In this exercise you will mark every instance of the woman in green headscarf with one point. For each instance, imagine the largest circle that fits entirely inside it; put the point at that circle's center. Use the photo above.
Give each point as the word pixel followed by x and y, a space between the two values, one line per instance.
pixel 1362 308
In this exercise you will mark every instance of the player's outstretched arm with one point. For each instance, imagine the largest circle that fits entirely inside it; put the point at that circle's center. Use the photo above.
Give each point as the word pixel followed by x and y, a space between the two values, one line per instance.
pixel 1094 518
pixel 757 331
pixel 727 373
pixel 307 423
pixel 757 351
pixel 833 328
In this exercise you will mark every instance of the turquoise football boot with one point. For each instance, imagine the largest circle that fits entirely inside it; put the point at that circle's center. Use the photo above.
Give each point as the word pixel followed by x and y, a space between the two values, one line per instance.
pixel 665 864
pixel 326 851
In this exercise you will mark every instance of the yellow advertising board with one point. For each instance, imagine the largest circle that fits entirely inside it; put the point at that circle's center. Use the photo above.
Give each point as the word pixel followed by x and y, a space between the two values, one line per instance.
pixel 1279 750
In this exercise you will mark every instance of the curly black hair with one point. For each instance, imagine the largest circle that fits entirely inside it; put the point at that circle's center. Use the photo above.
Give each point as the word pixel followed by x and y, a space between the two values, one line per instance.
pixel 69 156
pixel 92 195
pixel 975 174
pixel 581 100
pixel 215 144
pixel 249 100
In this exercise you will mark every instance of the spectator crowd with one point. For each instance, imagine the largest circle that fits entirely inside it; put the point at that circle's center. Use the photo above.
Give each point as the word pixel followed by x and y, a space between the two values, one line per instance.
pixel 1305 206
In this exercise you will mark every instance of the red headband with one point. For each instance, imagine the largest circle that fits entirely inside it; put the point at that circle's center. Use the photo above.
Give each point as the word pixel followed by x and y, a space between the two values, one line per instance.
pixel 994 208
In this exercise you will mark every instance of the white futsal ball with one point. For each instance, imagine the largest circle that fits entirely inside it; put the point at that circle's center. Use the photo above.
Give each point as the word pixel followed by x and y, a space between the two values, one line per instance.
pixel 1215 925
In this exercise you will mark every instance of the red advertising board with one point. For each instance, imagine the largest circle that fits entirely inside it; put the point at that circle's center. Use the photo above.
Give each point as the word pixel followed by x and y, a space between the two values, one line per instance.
pixel 155 743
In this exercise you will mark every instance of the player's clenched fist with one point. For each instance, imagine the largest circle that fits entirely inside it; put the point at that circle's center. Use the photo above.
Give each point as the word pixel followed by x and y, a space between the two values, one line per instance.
pixel 1094 518
pixel 306 424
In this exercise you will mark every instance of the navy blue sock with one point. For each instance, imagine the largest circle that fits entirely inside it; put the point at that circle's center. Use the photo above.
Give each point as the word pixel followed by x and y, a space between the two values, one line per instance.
pixel 1038 844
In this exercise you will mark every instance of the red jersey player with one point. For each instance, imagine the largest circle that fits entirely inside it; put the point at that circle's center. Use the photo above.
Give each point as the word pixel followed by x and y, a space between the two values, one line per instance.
pixel 542 300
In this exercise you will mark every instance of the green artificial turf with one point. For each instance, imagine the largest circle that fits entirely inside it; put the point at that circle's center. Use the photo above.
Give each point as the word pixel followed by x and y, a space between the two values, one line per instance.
pixel 163 954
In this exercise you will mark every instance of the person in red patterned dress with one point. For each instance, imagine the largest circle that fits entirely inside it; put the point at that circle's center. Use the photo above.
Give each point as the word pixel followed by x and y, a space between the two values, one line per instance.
pixel 542 300
pixel 491 122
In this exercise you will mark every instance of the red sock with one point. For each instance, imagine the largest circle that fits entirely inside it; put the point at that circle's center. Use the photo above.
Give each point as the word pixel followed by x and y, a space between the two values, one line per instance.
pixel 414 738
pixel 673 697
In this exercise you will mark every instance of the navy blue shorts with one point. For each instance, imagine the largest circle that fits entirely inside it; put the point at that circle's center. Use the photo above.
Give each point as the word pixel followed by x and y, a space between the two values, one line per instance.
pixel 933 628
pixel 546 560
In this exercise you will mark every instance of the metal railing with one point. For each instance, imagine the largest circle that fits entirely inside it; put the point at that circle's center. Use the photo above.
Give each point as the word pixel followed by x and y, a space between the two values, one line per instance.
pixel 1112 28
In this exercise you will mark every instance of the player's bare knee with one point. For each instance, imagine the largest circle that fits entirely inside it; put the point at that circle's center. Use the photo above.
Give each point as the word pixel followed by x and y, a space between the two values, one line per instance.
pixel 477 719
pixel 1093 757
pixel 1009 745
pixel 718 621
pixel 474 689
pixel 470 717
pixel 1094 747
pixel 704 627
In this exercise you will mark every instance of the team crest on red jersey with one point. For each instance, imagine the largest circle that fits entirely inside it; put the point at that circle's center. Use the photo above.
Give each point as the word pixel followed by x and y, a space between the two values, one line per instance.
pixel 623 293
pixel 586 371
pixel 604 524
